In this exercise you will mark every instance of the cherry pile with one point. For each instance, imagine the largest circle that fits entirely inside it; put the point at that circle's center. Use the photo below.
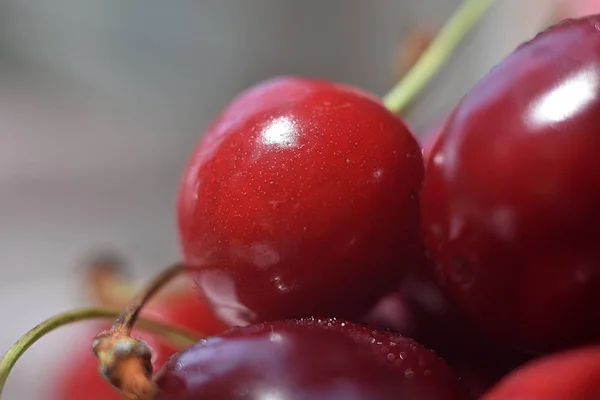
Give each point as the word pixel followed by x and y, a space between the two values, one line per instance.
pixel 313 225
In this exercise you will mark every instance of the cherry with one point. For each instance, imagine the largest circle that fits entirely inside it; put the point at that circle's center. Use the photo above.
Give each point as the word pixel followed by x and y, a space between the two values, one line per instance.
pixel 573 375
pixel 186 307
pixel 422 310
pixel 430 136
pixel 412 361
pixel 394 313
pixel 308 359
pixel 284 363
pixel 301 199
pixel 511 193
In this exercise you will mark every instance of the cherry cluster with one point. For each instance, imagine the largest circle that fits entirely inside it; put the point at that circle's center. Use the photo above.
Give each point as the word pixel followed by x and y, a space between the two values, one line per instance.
pixel 315 226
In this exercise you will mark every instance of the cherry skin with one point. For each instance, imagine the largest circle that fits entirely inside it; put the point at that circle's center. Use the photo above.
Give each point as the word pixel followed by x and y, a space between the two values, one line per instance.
pixel 414 363
pixel 422 310
pixel 393 312
pixel 187 308
pixel 301 199
pixel 511 193
pixel 430 136
pixel 307 359
pixel 573 375
pixel 78 377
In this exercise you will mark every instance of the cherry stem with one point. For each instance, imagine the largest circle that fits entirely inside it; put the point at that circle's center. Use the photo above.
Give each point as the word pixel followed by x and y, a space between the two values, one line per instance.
pixel 125 321
pixel 126 362
pixel 110 287
pixel 462 21
pixel 107 282
pixel 179 337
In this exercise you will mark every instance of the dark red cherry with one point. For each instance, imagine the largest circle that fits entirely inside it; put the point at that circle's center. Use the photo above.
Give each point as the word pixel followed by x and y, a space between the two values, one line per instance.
pixel 422 310
pixel 308 359
pixel 572 375
pixel 301 199
pixel 258 363
pixel 414 363
pixel 510 204
pixel 393 312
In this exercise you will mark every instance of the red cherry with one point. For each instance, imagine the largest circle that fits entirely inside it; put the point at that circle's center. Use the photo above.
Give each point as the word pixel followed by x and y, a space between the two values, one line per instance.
pixel 187 308
pixel 308 359
pixel 510 198
pixel 301 199
pixel 572 375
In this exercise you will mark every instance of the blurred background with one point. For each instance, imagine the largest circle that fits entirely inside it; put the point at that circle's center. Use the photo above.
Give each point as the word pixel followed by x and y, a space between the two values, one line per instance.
pixel 101 103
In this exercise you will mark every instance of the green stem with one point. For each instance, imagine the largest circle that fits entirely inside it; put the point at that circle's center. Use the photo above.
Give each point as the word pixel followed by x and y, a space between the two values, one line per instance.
pixel 178 336
pixel 128 317
pixel 439 51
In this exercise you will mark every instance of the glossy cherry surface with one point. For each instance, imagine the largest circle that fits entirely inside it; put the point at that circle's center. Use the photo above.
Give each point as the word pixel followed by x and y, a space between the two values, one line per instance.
pixel 301 199
pixel 422 310
pixel 430 136
pixel 414 363
pixel 187 308
pixel 308 359
pixel 511 194
pixel 572 375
